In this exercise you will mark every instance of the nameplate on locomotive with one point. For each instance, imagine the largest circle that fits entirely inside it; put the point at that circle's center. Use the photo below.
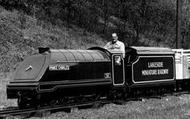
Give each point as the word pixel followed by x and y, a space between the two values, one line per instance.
pixel 59 67
pixel 153 68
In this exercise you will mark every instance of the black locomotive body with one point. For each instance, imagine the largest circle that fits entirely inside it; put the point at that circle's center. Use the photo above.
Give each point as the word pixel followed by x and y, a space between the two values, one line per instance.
pixel 95 72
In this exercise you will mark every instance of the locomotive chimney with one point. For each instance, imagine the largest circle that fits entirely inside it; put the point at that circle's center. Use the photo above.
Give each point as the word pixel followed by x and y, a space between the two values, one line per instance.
pixel 43 49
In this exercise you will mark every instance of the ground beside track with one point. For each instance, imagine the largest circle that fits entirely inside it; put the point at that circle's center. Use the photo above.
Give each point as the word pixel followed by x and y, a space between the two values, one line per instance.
pixel 4 79
pixel 168 107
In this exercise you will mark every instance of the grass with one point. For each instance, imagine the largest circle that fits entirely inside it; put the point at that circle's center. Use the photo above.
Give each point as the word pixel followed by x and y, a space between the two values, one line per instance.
pixel 4 102
pixel 170 107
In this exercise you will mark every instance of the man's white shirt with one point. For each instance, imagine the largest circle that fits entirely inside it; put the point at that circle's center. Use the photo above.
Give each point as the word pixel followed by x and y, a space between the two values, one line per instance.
pixel 117 46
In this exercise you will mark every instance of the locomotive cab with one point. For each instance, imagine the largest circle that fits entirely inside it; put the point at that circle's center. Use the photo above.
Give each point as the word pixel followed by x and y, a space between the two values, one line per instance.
pixel 118 68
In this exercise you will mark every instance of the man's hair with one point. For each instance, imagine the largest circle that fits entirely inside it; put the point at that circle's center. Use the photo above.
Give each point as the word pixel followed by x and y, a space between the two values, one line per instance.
pixel 114 34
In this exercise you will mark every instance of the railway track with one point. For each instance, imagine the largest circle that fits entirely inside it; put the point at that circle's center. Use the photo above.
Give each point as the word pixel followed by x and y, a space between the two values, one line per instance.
pixel 31 111
pixel 15 111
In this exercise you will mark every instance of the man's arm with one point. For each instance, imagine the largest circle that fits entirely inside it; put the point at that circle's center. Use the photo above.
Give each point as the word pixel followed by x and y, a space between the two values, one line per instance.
pixel 121 47
pixel 108 46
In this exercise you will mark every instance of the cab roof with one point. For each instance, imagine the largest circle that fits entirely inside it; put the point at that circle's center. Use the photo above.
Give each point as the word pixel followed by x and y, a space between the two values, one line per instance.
pixel 149 50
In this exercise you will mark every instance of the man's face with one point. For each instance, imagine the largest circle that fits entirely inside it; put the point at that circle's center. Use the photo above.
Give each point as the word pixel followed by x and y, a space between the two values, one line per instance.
pixel 115 38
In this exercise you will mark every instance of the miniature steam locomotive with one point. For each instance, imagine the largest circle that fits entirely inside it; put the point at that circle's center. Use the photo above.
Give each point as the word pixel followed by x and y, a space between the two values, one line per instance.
pixel 67 76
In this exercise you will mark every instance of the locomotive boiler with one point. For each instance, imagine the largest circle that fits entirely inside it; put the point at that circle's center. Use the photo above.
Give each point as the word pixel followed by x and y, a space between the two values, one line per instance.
pixel 68 76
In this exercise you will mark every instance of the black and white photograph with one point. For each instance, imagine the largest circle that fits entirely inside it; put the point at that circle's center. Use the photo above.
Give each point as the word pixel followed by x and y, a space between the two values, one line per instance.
pixel 94 59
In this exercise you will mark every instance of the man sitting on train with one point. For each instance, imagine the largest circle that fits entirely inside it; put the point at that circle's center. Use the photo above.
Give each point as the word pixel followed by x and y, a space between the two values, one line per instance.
pixel 115 44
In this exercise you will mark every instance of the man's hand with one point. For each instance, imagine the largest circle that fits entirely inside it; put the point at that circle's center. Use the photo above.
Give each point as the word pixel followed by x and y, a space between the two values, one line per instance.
pixel 116 46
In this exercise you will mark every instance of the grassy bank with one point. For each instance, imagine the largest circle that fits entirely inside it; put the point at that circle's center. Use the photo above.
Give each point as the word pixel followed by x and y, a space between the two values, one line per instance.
pixel 21 35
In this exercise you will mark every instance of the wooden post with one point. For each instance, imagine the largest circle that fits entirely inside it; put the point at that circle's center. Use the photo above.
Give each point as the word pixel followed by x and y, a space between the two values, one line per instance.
pixel 178 24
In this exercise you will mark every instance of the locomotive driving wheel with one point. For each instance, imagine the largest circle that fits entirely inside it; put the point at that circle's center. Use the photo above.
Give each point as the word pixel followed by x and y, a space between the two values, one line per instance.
pixel 25 101
pixel 21 103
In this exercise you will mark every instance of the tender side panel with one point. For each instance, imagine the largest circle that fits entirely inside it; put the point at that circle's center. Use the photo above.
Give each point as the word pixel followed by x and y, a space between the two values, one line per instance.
pixel 153 69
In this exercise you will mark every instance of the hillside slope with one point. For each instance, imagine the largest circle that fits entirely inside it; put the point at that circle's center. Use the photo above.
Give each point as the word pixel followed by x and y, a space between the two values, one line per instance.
pixel 21 35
